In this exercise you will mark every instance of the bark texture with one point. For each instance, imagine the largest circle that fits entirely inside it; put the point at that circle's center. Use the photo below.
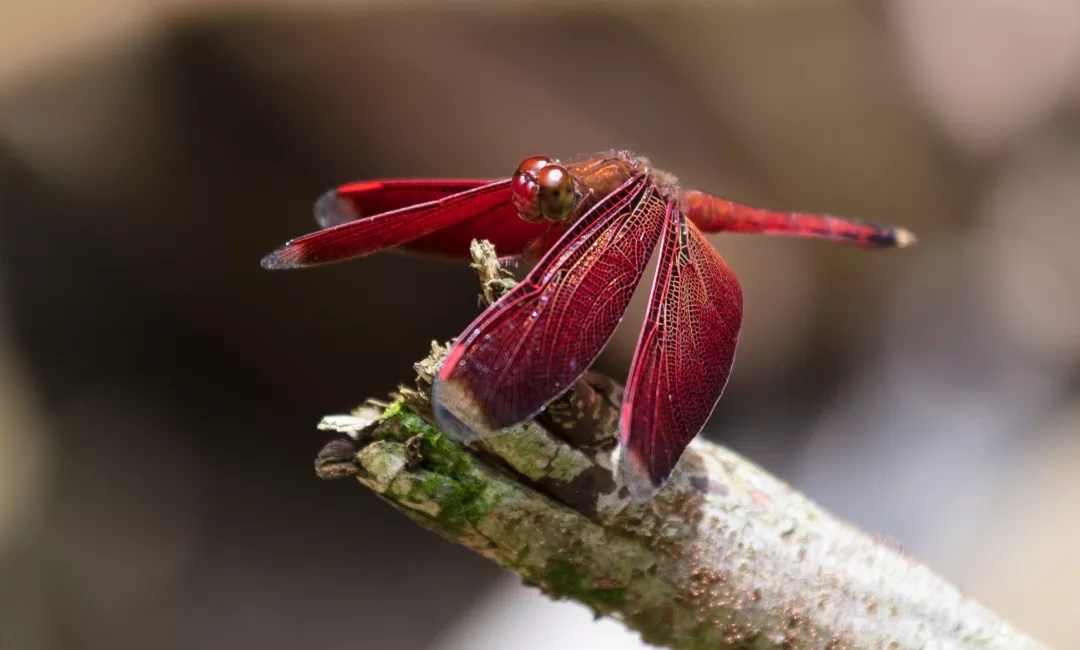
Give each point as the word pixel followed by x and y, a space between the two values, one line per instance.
pixel 725 556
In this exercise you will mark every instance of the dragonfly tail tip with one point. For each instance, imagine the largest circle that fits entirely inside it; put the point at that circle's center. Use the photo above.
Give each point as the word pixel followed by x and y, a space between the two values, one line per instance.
pixel 905 238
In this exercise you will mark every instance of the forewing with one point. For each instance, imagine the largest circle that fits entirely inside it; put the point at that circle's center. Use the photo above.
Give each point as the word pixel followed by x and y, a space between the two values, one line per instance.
pixel 502 227
pixel 388 229
pixel 511 235
pixel 367 198
pixel 683 357
pixel 535 342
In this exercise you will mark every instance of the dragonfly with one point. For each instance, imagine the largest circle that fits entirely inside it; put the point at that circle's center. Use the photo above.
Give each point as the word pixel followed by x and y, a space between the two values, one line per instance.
pixel 590 228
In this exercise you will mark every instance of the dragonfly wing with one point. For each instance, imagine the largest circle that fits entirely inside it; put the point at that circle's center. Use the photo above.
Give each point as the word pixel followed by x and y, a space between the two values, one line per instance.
pixel 511 235
pixel 683 357
pixel 353 201
pixel 536 341
pixel 390 229
pixel 502 227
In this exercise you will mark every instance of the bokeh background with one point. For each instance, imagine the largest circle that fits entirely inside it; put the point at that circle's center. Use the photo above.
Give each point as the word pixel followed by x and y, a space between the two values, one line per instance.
pixel 159 391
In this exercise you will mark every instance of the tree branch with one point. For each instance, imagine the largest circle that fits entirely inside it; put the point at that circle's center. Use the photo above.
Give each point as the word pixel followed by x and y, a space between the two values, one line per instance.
pixel 725 556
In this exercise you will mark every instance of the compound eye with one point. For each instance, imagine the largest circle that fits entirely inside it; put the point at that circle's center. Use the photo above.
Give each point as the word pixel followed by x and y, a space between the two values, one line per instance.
pixel 556 195
pixel 530 166
pixel 524 188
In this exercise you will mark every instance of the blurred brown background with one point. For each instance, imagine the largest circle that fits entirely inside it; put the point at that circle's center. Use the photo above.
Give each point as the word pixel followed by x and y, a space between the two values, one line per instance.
pixel 160 391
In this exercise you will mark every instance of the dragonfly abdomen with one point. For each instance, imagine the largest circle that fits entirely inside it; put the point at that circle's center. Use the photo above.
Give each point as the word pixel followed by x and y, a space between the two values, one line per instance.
pixel 714 214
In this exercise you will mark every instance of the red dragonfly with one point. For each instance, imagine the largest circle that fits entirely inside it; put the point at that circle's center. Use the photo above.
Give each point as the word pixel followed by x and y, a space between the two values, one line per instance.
pixel 592 225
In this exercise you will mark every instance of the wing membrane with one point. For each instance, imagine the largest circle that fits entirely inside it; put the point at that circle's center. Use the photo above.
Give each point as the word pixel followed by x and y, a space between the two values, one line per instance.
pixel 368 198
pixel 388 229
pixel 502 227
pixel 683 357
pixel 530 346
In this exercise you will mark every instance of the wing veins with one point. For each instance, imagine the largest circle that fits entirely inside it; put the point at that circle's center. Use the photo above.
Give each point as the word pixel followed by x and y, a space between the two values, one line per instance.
pixel 589 256
pixel 683 358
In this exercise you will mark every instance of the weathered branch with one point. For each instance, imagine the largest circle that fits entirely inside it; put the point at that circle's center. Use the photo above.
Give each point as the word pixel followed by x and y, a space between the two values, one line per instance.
pixel 726 555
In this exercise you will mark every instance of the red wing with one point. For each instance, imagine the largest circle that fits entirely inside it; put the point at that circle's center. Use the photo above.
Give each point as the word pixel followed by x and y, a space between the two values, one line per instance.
pixel 389 229
pixel 535 342
pixel 683 358
pixel 511 235
pixel 502 227
pixel 366 198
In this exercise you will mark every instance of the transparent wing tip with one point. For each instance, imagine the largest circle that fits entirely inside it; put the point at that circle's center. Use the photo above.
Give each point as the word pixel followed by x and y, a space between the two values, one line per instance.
pixel 282 258
pixel 634 474
pixel 450 402
pixel 331 209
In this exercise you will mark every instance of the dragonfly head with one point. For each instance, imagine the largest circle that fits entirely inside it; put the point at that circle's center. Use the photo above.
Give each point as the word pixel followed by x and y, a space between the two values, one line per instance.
pixel 543 190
